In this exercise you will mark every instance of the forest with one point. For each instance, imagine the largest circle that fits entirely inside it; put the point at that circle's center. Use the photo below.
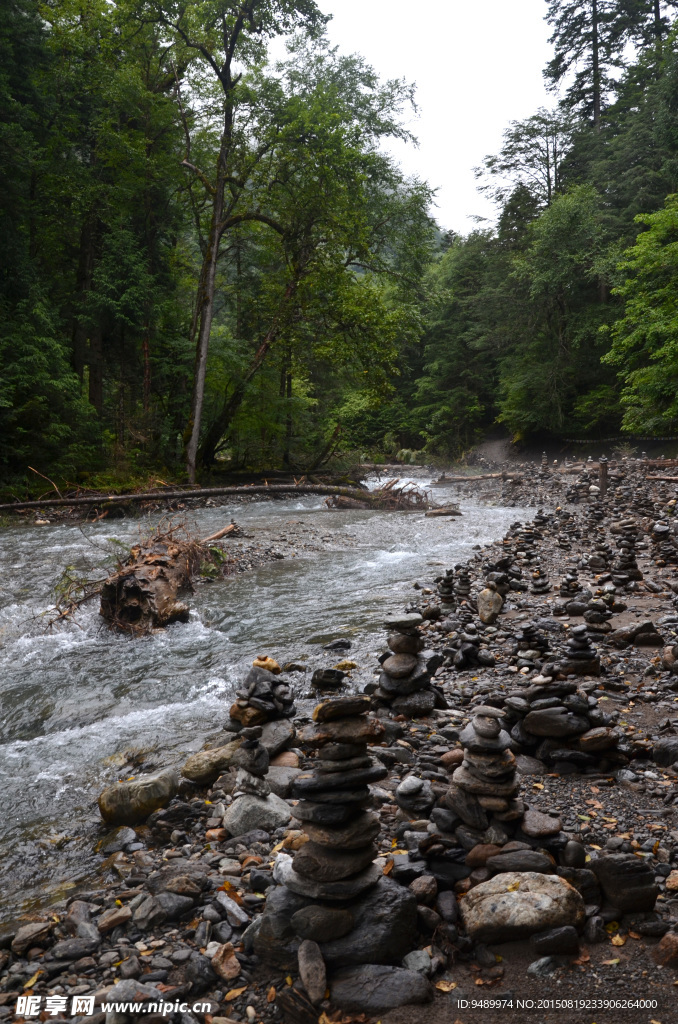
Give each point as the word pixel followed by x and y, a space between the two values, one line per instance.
pixel 209 261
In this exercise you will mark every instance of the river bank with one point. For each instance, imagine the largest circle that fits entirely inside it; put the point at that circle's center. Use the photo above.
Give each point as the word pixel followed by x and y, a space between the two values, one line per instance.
pixel 621 801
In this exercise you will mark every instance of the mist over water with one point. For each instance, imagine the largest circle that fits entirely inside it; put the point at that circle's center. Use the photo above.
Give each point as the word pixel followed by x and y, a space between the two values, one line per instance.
pixel 76 695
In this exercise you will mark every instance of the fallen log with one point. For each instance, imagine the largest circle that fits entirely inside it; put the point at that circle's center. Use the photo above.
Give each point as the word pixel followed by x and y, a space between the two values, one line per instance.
pixel 373 499
pixel 145 593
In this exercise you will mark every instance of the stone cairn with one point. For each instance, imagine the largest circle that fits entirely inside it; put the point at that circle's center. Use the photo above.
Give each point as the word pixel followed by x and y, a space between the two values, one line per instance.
pixel 331 893
pixel 405 678
pixel 446 592
pixel 625 568
pixel 541 584
pixel 264 696
pixel 559 722
pixel 485 782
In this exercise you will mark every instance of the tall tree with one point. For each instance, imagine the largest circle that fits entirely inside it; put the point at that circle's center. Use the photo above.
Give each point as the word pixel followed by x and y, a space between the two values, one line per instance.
pixel 219 38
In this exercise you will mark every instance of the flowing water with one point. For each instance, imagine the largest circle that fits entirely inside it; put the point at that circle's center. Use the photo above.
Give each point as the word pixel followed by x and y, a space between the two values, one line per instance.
pixel 76 695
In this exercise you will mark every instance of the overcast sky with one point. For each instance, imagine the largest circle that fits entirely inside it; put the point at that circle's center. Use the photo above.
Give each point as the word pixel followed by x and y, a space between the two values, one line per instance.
pixel 477 66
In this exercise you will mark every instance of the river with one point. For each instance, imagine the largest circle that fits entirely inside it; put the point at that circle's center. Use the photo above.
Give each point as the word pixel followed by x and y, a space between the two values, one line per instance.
pixel 75 696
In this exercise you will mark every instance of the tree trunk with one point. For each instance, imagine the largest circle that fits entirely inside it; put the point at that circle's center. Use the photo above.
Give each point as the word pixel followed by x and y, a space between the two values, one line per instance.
pixel 96 370
pixel 145 593
pixel 595 61
pixel 233 402
pixel 203 321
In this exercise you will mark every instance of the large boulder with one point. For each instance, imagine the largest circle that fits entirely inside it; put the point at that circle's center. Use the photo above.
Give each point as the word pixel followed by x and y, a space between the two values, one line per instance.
pixel 515 905
pixel 372 988
pixel 627 882
pixel 384 921
pixel 206 766
pixel 490 604
pixel 129 803
pixel 252 812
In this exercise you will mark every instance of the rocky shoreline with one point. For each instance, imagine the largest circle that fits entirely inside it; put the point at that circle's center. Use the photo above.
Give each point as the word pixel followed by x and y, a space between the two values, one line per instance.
pixel 493 819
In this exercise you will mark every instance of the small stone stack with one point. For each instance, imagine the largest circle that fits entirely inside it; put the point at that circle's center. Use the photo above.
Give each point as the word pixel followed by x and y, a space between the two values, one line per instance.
pixel 664 545
pixel 446 592
pixel 541 584
pixel 485 783
pixel 264 696
pixel 332 799
pixel 462 586
pixel 561 724
pixel 465 651
pixel 530 648
pixel 405 678
pixel 581 657
pixel 626 567
pixel 602 554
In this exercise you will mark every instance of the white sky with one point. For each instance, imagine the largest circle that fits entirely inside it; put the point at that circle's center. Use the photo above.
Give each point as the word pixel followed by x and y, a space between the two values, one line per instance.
pixel 477 66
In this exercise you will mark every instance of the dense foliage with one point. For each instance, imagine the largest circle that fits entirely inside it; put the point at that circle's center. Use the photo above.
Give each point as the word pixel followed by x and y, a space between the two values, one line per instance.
pixel 208 259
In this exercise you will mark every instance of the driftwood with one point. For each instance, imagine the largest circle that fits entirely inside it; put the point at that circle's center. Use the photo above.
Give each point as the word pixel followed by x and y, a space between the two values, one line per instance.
pixel 390 497
pixel 372 499
pixel 146 591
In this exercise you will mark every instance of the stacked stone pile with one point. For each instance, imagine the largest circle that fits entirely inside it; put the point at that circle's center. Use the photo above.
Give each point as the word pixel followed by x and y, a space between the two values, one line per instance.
pixel 541 584
pixel 465 652
pixel 562 725
pixel 485 782
pixel 446 592
pixel 625 568
pixel 406 668
pixel 264 696
pixel 530 648
pixel 580 656
pixel 664 543
pixel 332 905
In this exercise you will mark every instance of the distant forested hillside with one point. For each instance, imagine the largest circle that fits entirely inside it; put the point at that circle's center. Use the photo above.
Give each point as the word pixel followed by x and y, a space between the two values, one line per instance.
pixel 207 260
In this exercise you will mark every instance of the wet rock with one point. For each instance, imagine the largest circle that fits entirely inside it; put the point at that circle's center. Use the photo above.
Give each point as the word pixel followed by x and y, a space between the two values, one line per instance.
pixel 344 889
pixel 490 604
pixel 206 766
pixel 324 864
pixel 375 989
pixel 312 970
pixel 556 721
pixel 75 949
pixel 322 924
pixel 280 779
pixel 538 825
pixel 225 963
pixel 129 803
pixel 361 831
pixel 562 941
pixel 574 854
pixel 627 881
pixel 254 812
pixel 415 795
pixel 327 678
pixel 516 905
pixel 666 952
pixel 546 967
pixel 277 736
pixel 28 935
pixel 521 860
pixel 665 751
pixel 112 918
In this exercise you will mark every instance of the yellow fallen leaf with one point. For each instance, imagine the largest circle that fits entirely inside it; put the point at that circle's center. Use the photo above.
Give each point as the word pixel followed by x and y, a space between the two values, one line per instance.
pixel 278 848
pixel 288 980
pixel 611 961
pixel 538 785
pixel 618 940
pixel 612 927
pixel 513 886
pixel 270 995
pixel 446 986
pixel 31 981
pixel 234 993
